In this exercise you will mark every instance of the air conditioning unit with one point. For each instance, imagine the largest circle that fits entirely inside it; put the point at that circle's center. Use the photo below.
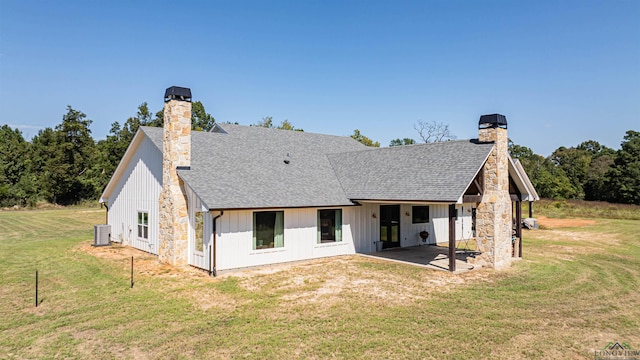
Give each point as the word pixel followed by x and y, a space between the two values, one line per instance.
pixel 101 235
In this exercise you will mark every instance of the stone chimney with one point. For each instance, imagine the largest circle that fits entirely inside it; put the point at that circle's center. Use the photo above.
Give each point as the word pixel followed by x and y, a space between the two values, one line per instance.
pixel 493 215
pixel 176 154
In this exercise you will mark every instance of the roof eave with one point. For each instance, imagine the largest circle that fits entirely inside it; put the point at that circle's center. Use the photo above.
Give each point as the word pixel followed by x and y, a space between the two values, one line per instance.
pixel 475 174
pixel 403 201
pixel 532 194
pixel 228 208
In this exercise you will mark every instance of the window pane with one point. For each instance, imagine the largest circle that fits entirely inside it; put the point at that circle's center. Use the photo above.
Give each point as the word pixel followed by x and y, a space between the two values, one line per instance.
pixel 264 228
pixel 329 225
pixel 420 214
pixel 199 231
pixel 279 230
pixel 139 231
pixel 338 222
pixel 268 229
pixel 146 232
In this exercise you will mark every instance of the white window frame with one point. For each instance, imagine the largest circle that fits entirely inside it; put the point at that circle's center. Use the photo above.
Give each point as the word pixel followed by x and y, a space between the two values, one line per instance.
pixel 337 230
pixel 254 241
pixel 195 231
pixel 142 226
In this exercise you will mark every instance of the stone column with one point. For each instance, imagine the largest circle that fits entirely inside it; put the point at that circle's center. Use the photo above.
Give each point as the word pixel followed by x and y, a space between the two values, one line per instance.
pixel 493 215
pixel 173 215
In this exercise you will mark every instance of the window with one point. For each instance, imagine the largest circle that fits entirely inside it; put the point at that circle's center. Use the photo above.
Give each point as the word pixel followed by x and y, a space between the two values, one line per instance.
pixel 329 225
pixel 420 214
pixel 268 229
pixel 143 224
pixel 199 231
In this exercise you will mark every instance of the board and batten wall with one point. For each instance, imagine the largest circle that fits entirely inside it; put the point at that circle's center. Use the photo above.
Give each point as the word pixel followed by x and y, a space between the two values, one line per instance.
pixel 198 258
pixel 366 228
pixel 360 232
pixel 138 190
pixel 234 242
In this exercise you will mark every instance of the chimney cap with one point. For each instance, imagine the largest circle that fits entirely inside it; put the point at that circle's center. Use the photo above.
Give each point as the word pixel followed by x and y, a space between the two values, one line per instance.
pixel 492 121
pixel 177 93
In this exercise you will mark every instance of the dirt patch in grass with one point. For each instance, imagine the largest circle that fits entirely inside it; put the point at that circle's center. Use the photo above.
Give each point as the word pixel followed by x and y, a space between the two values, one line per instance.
pixel 565 244
pixel 327 281
pixel 331 280
pixel 143 263
pixel 552 223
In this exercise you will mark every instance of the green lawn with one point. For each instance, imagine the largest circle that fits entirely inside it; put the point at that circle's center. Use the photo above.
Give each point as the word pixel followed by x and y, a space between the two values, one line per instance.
pixel 576 290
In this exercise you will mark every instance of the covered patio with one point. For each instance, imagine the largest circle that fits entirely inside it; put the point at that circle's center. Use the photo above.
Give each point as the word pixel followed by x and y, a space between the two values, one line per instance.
pixel 432 256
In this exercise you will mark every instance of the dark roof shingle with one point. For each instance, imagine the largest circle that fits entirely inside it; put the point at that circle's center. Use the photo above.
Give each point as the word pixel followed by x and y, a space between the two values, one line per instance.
pixel 425 172
pixel 244 167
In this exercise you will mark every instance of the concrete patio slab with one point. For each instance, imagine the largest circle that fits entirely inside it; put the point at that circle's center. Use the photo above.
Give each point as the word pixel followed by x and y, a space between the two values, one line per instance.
pixel 432 257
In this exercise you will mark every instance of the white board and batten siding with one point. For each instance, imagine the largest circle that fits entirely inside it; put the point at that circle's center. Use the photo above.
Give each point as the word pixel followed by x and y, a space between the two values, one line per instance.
pixel 464 221
pixel 138 190
pixel 360 232
pixel 366 225
pixel 234 241
pixel 363 226
pixel 439 215
pixel 199 258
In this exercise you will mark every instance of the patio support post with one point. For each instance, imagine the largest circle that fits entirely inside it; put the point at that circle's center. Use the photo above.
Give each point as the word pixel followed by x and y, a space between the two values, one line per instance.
pixel 452 237
pixel 519 226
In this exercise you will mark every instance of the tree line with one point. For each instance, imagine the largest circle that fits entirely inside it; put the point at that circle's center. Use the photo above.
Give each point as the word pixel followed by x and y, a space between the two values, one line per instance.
pixel 589 171
pixel 65 165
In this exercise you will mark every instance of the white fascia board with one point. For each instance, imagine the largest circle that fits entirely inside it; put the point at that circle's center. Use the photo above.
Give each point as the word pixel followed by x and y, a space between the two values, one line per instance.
pixel 520 178
pixel 459 201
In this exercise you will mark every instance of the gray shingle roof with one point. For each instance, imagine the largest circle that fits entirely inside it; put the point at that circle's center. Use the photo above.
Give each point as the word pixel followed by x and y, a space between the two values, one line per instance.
pixel 245 168
pixel 427 172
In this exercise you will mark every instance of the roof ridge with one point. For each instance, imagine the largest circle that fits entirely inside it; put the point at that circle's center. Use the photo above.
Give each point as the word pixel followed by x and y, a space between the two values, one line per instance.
pixel 301 133
pixel 400 147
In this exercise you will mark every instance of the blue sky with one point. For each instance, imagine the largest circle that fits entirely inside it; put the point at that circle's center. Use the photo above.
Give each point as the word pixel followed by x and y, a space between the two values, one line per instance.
pixel 561 71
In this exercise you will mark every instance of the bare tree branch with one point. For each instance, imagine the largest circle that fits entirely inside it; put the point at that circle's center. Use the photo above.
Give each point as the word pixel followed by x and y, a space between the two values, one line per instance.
pixel 432 131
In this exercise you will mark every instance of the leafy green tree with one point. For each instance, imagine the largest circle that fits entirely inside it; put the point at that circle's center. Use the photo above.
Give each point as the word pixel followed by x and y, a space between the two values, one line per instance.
pixel 286 125
pixel 575 164
pixel 624 177
pixel 70 173
pixel 519 152
pixel 549 180
pixel 200 119
pixel 363 139
pixel 14 159
pixel 595 186
pixel 62 160
pixel 401 142
pixel 45 156
pixel 602 158
pixel 267 122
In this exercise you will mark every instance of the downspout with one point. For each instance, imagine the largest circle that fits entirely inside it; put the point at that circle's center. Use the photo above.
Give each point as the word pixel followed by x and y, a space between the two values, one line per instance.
pixel 106 214
pixel 213 254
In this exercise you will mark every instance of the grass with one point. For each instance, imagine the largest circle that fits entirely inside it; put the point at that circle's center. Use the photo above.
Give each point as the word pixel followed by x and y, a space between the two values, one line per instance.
pixel 583 209
pixel 575 290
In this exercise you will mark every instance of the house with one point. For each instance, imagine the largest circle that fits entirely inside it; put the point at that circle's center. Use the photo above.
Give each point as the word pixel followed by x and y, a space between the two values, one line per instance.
pixel 241 196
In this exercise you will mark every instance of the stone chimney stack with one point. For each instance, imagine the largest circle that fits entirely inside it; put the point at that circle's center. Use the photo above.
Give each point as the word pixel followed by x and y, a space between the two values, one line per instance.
pixel 493 215
pixel 176 154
